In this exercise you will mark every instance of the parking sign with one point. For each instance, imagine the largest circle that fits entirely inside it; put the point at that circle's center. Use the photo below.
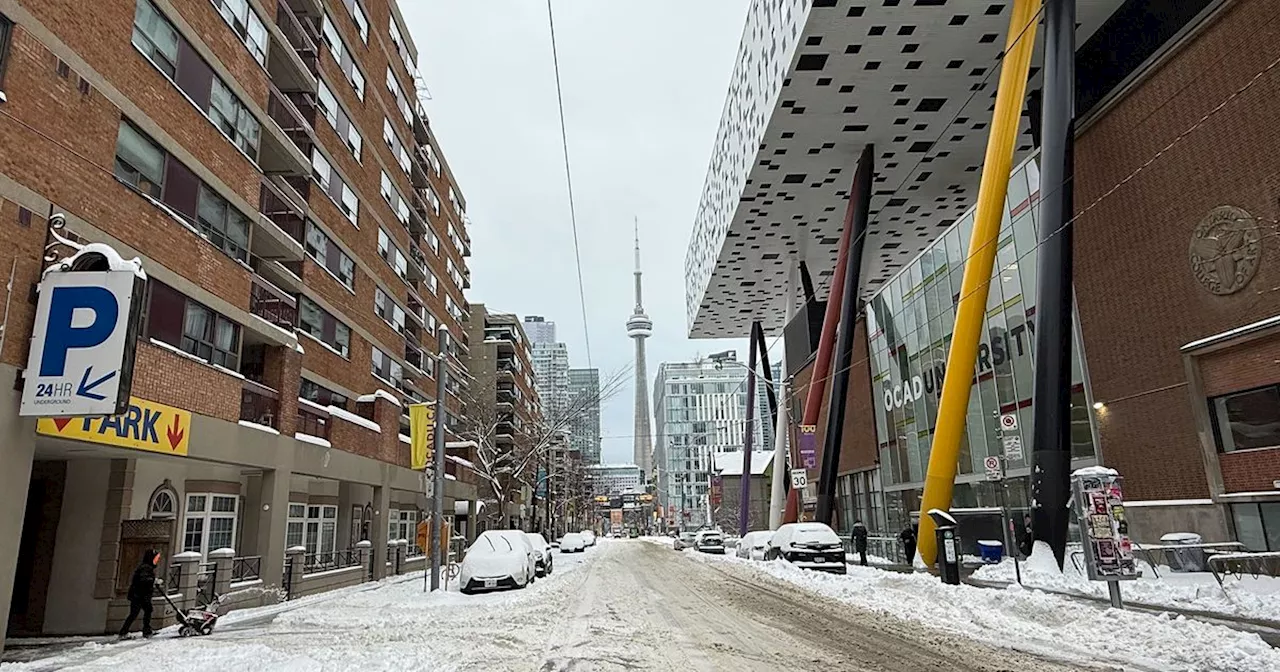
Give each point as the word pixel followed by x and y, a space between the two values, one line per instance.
pixel 82 344
pixel 993 468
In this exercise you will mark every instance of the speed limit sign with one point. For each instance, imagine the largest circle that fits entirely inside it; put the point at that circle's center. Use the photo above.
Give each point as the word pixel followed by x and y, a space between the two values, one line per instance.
pixel 799 479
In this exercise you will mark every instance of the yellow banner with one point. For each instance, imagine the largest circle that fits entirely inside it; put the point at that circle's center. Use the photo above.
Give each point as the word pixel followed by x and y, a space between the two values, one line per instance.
pixel 145 426
pixel 422 422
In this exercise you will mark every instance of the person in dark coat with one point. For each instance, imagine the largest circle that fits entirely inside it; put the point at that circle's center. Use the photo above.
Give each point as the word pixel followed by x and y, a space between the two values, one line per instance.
pixel 1026 539
pixel 141 588
pixel 860 541
pixel 908 538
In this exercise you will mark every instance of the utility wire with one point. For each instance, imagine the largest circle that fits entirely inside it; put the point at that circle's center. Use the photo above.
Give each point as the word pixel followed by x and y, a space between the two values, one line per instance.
pixel 568 178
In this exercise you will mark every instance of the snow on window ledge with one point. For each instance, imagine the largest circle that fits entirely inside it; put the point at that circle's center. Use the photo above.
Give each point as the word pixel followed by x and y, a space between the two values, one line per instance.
pixel 380 393
pixel 354 419
pixel 183 353
pixel 260 428
pixel 307 438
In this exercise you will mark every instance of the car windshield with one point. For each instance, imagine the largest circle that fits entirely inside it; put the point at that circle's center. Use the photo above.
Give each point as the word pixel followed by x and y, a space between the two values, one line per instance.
pixel 490 543
pixel 815 535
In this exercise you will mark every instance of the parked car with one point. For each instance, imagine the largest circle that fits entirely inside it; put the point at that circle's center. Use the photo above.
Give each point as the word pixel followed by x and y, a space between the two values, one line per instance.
pixel 572 543
pixel 498 559
pixel 633 533
pixel 543 563
pixel 588 537
pixel 682 541
pixel 808 545
pixel 754 545
pixel 709 541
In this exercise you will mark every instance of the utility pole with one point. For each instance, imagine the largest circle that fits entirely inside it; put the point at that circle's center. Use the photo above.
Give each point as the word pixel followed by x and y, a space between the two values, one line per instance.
pixel 437 515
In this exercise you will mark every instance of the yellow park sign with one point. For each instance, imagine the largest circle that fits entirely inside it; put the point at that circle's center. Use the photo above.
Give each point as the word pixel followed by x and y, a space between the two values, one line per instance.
pixel 145 426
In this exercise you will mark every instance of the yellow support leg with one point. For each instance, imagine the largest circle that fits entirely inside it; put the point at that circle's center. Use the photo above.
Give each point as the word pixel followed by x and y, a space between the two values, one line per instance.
pixel 953 406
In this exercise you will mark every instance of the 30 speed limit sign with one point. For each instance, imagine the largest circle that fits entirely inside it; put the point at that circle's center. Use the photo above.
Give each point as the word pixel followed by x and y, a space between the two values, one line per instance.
pixel 799 479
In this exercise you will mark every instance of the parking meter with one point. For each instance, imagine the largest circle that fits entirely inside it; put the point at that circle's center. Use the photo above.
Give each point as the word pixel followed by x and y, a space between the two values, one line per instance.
pixel 947 534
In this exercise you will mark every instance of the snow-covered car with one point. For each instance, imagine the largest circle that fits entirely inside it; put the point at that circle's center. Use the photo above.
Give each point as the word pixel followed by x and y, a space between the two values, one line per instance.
pixel 543 563
pixel 572 543
pixel 808 545
pixel 497 559
pixel 709 541
pixel 588 537
pixel 682 541
pixel 754 545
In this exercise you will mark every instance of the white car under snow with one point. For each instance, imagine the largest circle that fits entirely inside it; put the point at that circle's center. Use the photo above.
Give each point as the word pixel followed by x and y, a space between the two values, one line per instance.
pixel 755 545
pixel 498 559
pixel 572 543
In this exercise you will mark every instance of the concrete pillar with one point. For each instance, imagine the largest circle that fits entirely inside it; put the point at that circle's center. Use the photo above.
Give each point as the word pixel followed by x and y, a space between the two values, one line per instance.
pixel 119 495
pixel 188 566
pixel 402 553
pixel 378 533
pixel 472 523
pixel 223 559
pixel 272 513
pixel 365 549
pixel 17 449
pixel 295 557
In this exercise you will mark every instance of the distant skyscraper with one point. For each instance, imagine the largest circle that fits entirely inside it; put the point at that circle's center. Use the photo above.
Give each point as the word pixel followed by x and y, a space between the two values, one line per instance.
pixel 584 394
pixel 762 410
pixel 539 329
pixel 640 327
pixel 551 377
pixel 700 409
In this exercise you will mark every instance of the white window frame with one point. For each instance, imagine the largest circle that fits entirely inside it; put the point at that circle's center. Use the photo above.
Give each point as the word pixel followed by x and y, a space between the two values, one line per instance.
pixel 297 517
pixel 317 519
pixel 329 108
pixel 397 93
pixel 403 524
pixel 330 37
pixel 205 515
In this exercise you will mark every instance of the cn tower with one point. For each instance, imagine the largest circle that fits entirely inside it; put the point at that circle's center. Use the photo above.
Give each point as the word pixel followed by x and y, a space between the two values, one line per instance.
pixel 640 327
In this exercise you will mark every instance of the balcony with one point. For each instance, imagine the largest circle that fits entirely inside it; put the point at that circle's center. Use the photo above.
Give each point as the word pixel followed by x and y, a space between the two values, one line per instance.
pixel 306 8
pixel 292 57
pixel 259 404
pixel 272 304
pixel 293 114
pixel 313 419
pixel 281 225
pixel 282 152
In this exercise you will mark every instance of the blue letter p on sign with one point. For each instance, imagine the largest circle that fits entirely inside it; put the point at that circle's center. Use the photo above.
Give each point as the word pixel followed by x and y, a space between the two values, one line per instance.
pixel 63 334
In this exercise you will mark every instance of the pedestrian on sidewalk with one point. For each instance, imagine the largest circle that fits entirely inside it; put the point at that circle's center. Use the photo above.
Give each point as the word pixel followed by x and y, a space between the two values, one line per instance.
pixel 1026 538
pixel 908 538
pixel 141 588
pixel 860 541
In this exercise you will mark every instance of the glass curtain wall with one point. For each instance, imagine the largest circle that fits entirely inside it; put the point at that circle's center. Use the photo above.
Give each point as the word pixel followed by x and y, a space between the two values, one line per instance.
pixel 909 326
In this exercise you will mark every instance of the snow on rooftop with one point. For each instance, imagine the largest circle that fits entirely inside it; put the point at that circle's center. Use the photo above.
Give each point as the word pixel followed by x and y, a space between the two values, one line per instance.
pixel 1095 471
pixel 379 393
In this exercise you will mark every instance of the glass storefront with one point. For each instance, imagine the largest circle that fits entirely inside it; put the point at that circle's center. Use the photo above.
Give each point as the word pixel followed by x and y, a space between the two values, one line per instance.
pixel 909 325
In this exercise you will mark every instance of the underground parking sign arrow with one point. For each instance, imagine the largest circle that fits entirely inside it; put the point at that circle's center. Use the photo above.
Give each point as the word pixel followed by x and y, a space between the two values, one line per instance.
pixel 174 433
pixel 86 388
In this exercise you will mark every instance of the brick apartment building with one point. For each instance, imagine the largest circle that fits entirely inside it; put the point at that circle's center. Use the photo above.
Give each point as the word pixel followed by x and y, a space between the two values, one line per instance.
pixel 1176 371
pixel 303 239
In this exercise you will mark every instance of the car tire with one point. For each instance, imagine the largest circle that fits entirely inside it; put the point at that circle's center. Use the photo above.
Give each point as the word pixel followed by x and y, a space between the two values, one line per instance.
pixel 466 591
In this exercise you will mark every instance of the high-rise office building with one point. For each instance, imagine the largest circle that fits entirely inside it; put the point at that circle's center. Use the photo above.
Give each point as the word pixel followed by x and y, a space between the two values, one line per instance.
pixel 700 409
pixel 539 329
pixel 550 368
pixel 584 427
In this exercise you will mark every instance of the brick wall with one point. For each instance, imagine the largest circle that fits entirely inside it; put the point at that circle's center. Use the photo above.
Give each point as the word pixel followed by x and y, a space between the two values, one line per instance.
pixel 1138 300
pixel 1250 470
pixel 858 449
pixel 1243 367
pixel 169 378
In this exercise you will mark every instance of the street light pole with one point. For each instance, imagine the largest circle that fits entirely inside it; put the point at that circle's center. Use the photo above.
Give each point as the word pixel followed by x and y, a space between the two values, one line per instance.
pixel 437 515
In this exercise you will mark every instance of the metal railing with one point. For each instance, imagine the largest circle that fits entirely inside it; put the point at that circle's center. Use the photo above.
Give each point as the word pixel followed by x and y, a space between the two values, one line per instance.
pixel 888 548
pixel 289 116
pixel 259 404
pixel 1239 564
pixel 247 568
pixel 325 561
pixel 272 303
pixel 313 422
pixel 282 210
pixel 205 583
pixel 299 37
pixel 173 579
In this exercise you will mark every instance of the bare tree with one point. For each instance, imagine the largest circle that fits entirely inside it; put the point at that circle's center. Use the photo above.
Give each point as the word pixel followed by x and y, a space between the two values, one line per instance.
pixel 506 466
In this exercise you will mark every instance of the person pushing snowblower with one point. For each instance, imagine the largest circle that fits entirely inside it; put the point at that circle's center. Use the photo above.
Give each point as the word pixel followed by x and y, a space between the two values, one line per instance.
pixel 141 589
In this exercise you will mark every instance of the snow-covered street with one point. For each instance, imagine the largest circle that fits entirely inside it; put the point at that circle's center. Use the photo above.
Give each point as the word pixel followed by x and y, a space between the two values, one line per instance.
pixel 624 605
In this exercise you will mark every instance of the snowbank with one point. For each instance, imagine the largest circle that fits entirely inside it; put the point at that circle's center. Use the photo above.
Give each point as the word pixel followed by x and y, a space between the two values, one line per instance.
pixel 1036 622
pixel 1244 597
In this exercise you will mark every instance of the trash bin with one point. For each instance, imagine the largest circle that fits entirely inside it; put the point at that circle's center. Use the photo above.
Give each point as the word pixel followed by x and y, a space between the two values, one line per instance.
pixel 1184 559
pixel 990 551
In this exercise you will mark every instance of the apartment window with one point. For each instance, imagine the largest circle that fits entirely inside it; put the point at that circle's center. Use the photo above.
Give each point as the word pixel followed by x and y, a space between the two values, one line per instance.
pixel 404 524
pixel 223 225
pixel 432 158
pixel 210 523
pixel 386 368
pixel 453 273
pixel 433 285
pixel 156 37
pixel 397 148
pixel 432 322
pixel 393 198
pixel 401 47
pixel 434 200
pixel 293 530
pixel 452 308
pixel 1245 420
pixel 388 309
pixel 455 202
pixel 392 254
pixel 183 323
pixel 327 253
pixel 455 238
pixel 338 49
pixel 433 241
pixel 333 185
pixel 322 326
pixel 316 393
pixel 339 119
pixel 160 42
pixel 1257 525
pixel 211 337
pixel 139 161
pixel 6 36
pixel 398 94
pixel 246 24
pixel 357 15
pixel 321 533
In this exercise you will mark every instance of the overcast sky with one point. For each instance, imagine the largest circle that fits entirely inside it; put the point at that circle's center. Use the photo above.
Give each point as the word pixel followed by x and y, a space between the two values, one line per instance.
pixel 644 83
